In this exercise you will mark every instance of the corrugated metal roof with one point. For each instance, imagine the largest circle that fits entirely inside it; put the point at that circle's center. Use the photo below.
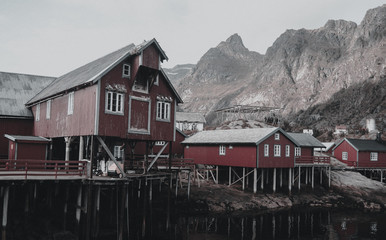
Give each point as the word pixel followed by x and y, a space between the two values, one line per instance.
pixel 92 71
pixel 367 145
pixel 306 140
pixel 233 136
pixel 190 117
pixel 26 138
pixel 16 89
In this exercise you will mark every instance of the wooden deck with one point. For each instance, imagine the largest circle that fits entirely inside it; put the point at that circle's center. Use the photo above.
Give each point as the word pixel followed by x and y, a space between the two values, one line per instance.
pixel 312 161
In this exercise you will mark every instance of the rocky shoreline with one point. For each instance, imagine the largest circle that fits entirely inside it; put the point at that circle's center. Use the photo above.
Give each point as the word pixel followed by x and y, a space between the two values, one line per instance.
pixel 349 190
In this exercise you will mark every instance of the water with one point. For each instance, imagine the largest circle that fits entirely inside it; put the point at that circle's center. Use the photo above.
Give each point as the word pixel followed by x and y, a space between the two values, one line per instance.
pixel 50 212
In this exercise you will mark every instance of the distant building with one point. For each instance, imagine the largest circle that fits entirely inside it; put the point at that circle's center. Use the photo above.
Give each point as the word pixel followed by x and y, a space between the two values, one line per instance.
pixel 341 129
pixel 328 147
pixel 187 121
pixel 308 131
pixel 15 118
pixel 370 124
pixel 361 153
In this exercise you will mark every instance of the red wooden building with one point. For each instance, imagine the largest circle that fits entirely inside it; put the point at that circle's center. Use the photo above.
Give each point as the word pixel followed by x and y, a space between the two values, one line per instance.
pixel 15 119
pixel 27 147
pixel 361 153
pixel 253 148
pixel 304 153
pixel 122 98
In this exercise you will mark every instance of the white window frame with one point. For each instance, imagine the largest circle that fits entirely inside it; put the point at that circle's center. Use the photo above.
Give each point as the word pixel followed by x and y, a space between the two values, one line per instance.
pixel 298 151
pixel 373 156
pixel 163 111
pixel 37 118
pixel 48 109
pixel 159 143
pixel 222 150
pixel 277 136
pixel 119 103
pixel 70 104
pixel 118 152
pixel 287 150
pixel 126 71
pixel 344 155
pixel 276 150
pixel 266 150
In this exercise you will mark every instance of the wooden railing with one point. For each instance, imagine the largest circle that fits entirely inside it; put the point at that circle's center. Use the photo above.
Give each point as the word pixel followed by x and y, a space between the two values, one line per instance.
pixel 312 160
pixel 53 168
pixel 177 163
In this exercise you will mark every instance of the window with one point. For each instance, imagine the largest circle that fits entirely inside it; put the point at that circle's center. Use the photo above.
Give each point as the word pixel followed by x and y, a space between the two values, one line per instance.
pixel 266 150
pixel 37 112
pixel 160 143
pixel 344 155
pixel 276 150
pixel 70 106
pixel 48 109
pixel 118 152
pixel 222 150
pixel 277 136
pixel 163 111
pixel 373 156
pixel 114 102
pixel 287 150
pixel 298 151
pixel 126 71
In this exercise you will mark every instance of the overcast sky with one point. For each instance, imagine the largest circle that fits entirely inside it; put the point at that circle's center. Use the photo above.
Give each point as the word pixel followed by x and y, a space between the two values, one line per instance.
pixel 53 37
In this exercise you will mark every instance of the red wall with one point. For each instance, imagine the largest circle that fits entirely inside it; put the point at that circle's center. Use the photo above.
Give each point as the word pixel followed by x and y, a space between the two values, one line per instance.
pixel 276 162
pixel 364 160
pixel 307 151
pixel 80 123
pixel 117 125
pixel 346 147
pixel 239 156
pixel 21 150
pixel 13 126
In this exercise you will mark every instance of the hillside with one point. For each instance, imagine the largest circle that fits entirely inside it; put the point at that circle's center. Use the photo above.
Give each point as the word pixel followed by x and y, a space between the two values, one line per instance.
pixel 302 69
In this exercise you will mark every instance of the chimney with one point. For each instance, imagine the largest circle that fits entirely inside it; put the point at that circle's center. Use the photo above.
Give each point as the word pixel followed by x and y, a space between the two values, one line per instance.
pixel 379 137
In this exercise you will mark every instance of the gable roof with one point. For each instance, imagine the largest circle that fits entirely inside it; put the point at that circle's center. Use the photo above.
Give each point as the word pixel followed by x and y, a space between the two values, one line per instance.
pixel 93 71
pixel 179 99
pixel 365 145
pixel 234 136
pixel 190 117
pixel 16 89
pixel 306 140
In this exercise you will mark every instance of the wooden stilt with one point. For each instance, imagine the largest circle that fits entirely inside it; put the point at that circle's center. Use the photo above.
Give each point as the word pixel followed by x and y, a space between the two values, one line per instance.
pixel 176 183
pixel 313 177
pixel 151 191
pixel 289 179
pixel 299 177
pixel 274 180
pixel 81 147
pixel 216 174
pixel 188 185
pixel 255 180
pixel 79 204
pixel 267 176
pixel 262 179
pixel 230 176
pixel 5 207
pixel 281 177
pixel 243 178
pixel 321 175
pixel 381 176
pixel 306 169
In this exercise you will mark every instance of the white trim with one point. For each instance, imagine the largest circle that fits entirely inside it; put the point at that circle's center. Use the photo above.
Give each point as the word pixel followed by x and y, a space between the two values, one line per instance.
pixel 140 61
pixel 37 113
pixel 119 96
pixel 125 70
pixel 174 125
pixel 70 103
pixel 97 104
pixel 48 109
pixel 345 156
pixel 374 156
pixel 222 150
pixel 287 150
pixel 266 150
pixel 298 151
pixel 166 111
pixel 277 136
pixel 139 131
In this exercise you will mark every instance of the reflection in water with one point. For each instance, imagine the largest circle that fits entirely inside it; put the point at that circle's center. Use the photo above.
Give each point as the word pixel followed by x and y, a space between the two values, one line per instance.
pixel 141 211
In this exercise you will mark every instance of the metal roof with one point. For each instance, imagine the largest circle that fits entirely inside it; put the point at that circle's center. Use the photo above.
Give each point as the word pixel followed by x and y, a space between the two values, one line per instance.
pixel 234 136
pixel 93 71
pixel 327 145
pixel 367 145
pixel 306 140
pixel 16 89
pixel 190 117
pixel 16 138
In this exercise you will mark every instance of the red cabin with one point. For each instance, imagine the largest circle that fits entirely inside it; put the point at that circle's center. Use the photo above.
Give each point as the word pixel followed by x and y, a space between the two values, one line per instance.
pixel 361 153
pixel 122 98
pixel 27 147
pixel 304 153
pixel 253 148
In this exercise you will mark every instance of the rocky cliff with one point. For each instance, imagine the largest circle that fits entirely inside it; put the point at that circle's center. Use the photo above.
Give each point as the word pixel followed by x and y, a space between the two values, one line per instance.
pixel 303 68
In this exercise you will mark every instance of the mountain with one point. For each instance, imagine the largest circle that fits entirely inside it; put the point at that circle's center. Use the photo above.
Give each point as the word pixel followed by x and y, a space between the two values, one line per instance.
pixel 302 69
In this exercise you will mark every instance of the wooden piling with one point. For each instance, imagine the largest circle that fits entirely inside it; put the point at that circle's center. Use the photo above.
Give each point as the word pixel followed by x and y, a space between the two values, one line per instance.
pixel 5 207
pixel 274 180
pixel 254 180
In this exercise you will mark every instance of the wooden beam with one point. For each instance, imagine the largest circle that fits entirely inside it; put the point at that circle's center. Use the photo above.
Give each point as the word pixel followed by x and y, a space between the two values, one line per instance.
pixel 111 155
pixel 157 156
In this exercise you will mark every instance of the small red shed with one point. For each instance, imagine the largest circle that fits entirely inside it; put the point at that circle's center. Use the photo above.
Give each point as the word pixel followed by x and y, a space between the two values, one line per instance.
pixel 361 153
pixel 255 148
pixel 27 147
